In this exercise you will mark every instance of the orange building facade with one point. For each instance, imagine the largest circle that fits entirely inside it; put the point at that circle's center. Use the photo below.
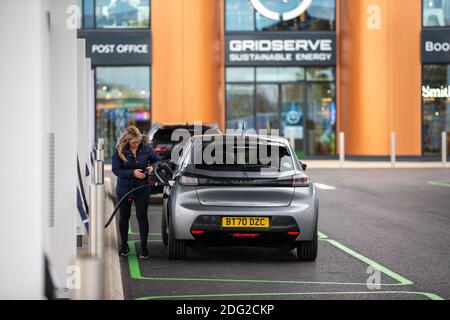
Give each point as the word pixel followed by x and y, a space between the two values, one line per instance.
pixel 208 57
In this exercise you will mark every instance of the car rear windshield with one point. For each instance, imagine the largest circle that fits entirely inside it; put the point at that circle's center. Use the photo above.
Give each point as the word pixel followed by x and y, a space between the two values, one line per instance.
pixel 164 135
pixel 242 156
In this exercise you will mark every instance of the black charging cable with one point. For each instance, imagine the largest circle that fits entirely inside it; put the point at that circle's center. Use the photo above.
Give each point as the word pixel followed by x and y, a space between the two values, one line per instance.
pixel 162 171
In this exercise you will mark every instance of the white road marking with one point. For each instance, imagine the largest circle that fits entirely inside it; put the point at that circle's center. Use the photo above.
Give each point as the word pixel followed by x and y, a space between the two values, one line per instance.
pixel 324 186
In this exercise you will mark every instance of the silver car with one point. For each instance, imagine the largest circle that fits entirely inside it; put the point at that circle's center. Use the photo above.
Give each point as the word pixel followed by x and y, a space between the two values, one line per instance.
pixel 240 201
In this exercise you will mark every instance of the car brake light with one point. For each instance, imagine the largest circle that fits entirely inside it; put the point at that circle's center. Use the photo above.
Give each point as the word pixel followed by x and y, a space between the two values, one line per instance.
pixel 188 181
pixel 197 232
pixel 293 233
pixel 161 149
pixel 300 180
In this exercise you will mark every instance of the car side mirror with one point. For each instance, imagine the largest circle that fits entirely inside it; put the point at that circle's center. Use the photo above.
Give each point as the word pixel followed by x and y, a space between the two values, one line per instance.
pixel 304 166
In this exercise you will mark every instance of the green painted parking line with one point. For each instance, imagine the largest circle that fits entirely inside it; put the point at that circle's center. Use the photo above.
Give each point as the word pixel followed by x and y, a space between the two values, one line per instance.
pixel 431 296
pixel 321 236
pixel 136 274
pixel 371 263
pixel 440 183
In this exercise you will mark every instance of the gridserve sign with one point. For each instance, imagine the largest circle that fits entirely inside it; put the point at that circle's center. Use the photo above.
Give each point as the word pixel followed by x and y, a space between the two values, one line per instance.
pixel 280 48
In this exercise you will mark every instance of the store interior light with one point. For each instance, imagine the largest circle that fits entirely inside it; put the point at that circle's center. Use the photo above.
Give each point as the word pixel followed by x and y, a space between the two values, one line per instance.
pixel 104 88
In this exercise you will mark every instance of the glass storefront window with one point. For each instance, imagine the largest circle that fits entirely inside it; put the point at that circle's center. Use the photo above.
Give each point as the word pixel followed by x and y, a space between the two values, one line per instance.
pixel 88 14
pixel 123 99
pixel 321 119
pixel 122 14
pixel 436 108
pixel 239 99
pixel 285 74
pixel 267 116
pixel 239 15
pixel 436 13
pixel 319 16
pixel 240 74
pixel 281 98
pixel 320 74
pixel 293 114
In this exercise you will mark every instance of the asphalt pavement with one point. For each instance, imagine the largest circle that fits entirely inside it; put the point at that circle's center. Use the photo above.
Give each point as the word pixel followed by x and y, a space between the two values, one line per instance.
pixel 384 234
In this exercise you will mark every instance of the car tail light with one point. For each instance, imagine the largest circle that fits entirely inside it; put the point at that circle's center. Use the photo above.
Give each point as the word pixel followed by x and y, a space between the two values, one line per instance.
pixel 245 235
pixel 293 233
pixel 300 180
pixel 161 149
pixel 197 232
pixel 188 180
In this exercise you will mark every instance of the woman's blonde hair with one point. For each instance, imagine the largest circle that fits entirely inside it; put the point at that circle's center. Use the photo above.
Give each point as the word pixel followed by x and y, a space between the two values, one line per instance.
pixel 128 134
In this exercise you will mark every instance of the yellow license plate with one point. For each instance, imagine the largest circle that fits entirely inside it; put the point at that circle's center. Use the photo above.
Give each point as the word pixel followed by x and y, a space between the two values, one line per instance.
pixel 245 222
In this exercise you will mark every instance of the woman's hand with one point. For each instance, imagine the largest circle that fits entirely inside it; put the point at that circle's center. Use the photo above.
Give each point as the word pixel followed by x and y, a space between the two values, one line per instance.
pixel 139 174
pixel 150 169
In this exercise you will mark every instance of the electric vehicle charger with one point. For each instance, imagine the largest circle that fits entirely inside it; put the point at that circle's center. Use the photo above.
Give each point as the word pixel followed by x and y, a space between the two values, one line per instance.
pixel 163 172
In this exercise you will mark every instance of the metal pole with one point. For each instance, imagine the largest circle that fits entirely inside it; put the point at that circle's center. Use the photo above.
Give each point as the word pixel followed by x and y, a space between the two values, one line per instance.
pixel 95 270
pixel 97 217
pixel 393 149
pixel 444 149
pixel 100 150
pixel 342 148
pixel 99 172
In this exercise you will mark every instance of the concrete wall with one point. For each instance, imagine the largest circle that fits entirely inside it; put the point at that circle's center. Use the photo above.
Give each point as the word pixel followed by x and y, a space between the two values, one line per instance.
pixel 23 110
pixel 63 122
pixel 38 90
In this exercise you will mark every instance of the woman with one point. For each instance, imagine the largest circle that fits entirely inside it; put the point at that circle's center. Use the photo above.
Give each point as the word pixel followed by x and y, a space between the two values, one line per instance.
pixel 131 161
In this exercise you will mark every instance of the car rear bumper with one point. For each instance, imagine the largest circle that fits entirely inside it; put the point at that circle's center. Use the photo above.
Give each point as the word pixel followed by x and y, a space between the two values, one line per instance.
pixel 208 230
pixel 185 209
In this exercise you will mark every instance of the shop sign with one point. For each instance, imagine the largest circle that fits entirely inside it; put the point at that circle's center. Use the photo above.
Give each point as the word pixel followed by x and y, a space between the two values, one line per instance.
pixel 281 48
pixel 436 45
pixel 119 47
pixel 441 92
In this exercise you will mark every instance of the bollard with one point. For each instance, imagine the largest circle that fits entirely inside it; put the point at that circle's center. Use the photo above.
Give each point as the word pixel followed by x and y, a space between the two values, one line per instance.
pixel 87 284
pixel 342 148
pixel 393 149
pixel 444 149
pixel 99 172
pixel 93 269
pixel 100 150
pixel 97 217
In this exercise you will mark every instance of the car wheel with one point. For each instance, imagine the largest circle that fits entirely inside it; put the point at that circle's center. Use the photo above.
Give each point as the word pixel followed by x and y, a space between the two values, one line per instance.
pixel 176 248
pixel 165 236
pixel 307 250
